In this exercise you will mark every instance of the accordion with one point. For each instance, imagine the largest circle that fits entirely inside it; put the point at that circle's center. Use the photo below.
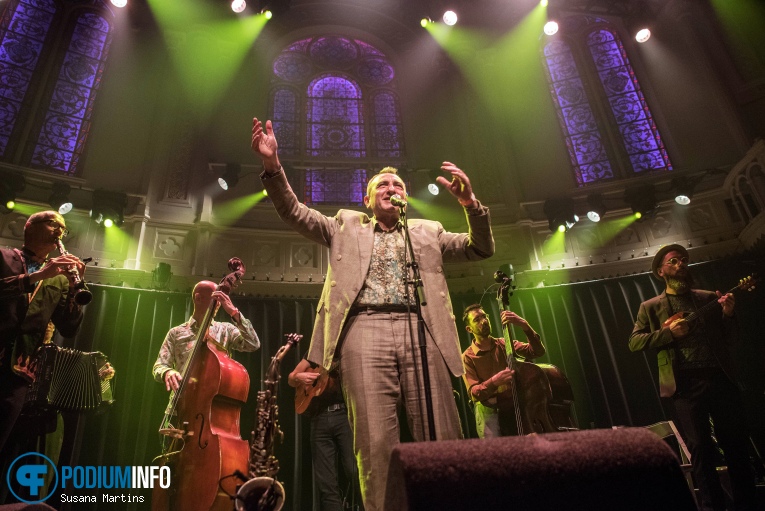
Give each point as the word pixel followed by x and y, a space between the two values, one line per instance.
pixel 69 380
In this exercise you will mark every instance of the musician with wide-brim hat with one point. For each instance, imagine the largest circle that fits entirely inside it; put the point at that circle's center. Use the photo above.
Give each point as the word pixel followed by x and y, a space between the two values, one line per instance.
pixel 692 331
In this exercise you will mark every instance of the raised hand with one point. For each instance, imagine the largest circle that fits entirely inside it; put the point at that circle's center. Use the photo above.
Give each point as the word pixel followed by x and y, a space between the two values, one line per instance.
pixel 459 186
pixel 264 144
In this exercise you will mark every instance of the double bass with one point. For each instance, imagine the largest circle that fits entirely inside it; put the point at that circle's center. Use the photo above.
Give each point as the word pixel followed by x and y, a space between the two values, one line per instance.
pixel 206 450
pixel 539 397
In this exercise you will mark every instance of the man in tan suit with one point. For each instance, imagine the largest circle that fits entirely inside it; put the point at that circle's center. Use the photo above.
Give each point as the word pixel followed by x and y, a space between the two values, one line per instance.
pixel 366 309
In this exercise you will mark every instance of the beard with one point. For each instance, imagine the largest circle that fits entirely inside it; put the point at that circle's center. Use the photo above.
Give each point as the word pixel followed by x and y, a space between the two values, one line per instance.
pixel 680 284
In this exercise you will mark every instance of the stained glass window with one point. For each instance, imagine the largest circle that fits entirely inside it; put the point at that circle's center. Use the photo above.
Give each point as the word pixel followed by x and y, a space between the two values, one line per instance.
pixel 285 118
pixel 641 137
pixel 334 102
pixel 23 28
pixel 335 127
pixel 67 122
pixel 342 187
pixel 573 89
pixel 583 139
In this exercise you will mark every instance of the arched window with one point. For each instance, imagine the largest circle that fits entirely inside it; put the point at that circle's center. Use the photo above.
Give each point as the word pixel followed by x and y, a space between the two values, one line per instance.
pixel 336 114
pixel 606 122
pixel 69 43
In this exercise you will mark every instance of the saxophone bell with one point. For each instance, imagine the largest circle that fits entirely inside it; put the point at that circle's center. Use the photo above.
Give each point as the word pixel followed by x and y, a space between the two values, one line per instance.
pixel 260 494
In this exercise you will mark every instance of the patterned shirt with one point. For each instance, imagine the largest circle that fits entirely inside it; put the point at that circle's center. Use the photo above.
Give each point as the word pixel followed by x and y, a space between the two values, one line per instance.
pixel 386 281
pixel 179 342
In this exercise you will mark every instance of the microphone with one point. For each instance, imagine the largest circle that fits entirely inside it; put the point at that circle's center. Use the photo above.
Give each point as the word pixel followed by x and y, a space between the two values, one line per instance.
pixel 396 200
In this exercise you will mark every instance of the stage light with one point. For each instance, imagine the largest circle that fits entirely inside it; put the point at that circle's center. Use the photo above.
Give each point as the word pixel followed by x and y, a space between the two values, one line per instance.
pixel 683 190
pixel 433 180
pixel 597 210
pixel 119 3
pixel 450 18
pixel 551 28
pixel 59 199
pixel 10 186
pixel 238 5
pixel 108 208
pixel 424 22
pixel 230 176
pixel 643 35
pixel 543 3
pixel 642 200
pixel 560 214
pixel 268 14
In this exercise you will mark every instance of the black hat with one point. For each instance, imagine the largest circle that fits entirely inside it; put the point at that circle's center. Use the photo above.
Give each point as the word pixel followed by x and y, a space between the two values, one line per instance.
pixel 659 257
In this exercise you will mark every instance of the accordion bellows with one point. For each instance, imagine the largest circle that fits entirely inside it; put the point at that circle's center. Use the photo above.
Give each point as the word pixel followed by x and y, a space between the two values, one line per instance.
pixel 70 380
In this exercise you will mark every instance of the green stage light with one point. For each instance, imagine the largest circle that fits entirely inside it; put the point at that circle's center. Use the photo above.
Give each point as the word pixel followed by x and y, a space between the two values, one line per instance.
pixel 108 208
pixel 642 200
pixel 560 214
pixel 10 186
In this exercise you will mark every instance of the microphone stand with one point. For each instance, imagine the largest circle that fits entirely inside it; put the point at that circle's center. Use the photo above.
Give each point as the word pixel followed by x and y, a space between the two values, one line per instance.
pixel 420 301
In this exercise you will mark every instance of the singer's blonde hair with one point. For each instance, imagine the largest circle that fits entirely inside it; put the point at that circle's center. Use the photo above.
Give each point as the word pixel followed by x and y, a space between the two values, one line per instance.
pixel 384 170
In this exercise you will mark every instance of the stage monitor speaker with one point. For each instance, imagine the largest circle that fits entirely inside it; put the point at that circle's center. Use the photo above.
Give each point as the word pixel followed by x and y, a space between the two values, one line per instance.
pixel 628 469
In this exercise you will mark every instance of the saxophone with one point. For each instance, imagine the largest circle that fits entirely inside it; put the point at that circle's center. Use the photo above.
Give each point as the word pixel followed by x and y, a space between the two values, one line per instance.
pixel 263 492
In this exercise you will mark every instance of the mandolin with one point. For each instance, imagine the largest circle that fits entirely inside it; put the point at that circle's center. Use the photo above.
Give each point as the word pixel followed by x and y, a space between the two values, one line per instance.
pixel 304 393
pixel 745 284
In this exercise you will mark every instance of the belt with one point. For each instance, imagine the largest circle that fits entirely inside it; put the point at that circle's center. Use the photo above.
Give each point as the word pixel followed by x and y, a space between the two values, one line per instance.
pixel 381 309
pixel 335 407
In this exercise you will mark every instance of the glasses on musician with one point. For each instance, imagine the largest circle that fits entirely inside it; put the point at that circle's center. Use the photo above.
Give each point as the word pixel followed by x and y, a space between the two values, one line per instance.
pixel 53 223
pixel 674 261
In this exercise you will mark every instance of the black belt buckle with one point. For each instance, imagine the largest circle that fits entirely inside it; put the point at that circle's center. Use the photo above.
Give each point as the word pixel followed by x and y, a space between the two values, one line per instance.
pixel 371 309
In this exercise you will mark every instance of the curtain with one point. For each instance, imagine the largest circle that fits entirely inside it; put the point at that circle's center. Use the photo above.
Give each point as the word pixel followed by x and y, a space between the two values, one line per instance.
pixel 585 327
pixel 129 325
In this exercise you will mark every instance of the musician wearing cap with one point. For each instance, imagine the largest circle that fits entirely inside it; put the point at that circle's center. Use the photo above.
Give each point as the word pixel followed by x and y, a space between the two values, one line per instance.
pixel 696 372
pixel 35 289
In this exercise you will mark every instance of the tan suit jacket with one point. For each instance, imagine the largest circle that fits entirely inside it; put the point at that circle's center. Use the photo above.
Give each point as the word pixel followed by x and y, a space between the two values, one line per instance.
pixel 350 237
